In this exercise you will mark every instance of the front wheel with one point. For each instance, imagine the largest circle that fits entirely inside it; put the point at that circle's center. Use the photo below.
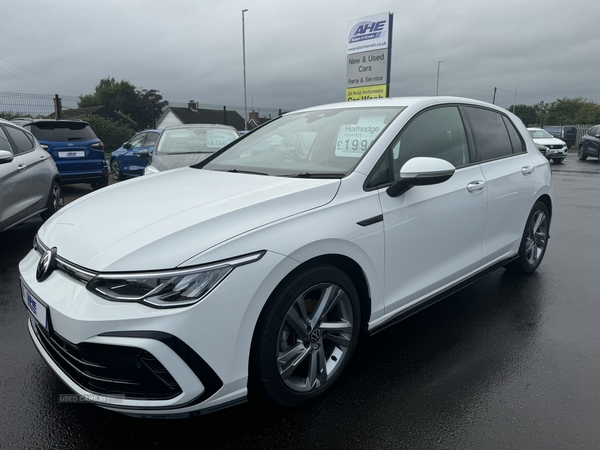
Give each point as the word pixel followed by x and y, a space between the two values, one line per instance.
pixel 305 336
pixel 580 154
pixel 534 240
pixel 115 170
pixel 55 201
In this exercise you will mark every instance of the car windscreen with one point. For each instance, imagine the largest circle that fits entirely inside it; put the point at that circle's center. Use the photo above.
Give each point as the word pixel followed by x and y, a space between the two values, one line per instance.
pixel 540 134
pixel 194 140
pixel 62 131
pixel 327 142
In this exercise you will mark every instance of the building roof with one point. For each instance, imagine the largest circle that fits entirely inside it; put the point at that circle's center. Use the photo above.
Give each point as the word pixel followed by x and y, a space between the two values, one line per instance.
pixel 189 116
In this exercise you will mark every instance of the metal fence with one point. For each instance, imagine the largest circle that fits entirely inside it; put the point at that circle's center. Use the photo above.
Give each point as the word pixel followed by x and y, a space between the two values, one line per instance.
pixel 35 105
pixel 41 105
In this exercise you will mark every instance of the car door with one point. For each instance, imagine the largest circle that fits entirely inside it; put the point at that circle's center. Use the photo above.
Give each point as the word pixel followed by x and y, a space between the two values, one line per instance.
pixel 130 157
pixel 592 141
pixel 432 233
pixel 509 172
pixel 17 196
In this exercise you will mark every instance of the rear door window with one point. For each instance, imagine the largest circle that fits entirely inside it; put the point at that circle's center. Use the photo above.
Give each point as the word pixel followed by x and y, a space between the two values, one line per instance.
pixel 489 133
pixel 23 142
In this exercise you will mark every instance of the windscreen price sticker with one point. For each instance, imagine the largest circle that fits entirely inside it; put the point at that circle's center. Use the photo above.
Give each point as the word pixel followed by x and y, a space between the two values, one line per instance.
pixel 354 140
pixel 218 140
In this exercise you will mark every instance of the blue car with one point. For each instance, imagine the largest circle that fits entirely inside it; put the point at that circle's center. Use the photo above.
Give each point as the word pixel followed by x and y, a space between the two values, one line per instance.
pixel 125 162
pixel 75 148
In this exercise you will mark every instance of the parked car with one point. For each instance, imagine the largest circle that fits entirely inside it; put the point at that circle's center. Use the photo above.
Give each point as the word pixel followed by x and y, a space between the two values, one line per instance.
pixel 29 180
pixel 77 151
pixel 185 145
pixel 589 144
pixel 566 134
pixel 556 151
pixel 125 162
pixel 258 271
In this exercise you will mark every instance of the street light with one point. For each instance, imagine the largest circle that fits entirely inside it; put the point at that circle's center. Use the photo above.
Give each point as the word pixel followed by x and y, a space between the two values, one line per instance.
pixel 244 57
pixel 515 102
pixel 438 79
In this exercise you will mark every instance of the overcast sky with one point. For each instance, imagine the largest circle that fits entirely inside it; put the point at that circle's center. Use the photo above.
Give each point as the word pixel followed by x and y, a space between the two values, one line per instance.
pixel 296 50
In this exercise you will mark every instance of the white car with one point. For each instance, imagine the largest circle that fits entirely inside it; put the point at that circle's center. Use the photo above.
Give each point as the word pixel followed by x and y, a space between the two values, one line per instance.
pixel 556 150
pixel 258 268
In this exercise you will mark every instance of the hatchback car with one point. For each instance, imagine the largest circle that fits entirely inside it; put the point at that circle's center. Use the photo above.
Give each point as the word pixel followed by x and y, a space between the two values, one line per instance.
pixel 589 145
pixel 258 272
pixel 29 180
pixel 77 151
pixel 184 145
pixel 125 162
pixel 556 151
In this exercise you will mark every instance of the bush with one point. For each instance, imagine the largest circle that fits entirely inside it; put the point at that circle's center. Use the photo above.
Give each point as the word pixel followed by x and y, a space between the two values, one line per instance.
pixel 111 133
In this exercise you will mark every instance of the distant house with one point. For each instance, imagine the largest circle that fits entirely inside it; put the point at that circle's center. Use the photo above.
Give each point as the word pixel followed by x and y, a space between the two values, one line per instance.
pixel 101 111
pixel 174 115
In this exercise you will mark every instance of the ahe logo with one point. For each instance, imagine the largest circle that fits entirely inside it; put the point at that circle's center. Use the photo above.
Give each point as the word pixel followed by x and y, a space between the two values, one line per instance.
pixel 364 31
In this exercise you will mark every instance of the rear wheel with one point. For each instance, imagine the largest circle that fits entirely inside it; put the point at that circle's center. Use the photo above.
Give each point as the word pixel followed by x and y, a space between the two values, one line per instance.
pixel 115 170
pixel 99 183
pixel 55 200
pixel 305 336
pixel 534 240
pixel 580 154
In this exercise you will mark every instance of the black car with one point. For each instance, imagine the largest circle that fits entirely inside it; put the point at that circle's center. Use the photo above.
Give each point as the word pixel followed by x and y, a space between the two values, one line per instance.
pixel 589 145
pixel 75 148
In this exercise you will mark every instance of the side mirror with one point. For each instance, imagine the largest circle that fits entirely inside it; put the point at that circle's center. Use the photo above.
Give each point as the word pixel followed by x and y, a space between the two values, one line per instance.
pixel 126 145
pixel 421 171
pixel 6 156
pixel 144 154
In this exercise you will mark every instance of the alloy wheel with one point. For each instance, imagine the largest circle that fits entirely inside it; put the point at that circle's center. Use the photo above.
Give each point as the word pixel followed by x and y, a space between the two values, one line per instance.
pixel 314 337
pixel 537 237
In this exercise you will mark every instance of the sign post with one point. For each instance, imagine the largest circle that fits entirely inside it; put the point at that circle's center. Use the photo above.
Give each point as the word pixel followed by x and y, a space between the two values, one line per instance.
pixel 369 57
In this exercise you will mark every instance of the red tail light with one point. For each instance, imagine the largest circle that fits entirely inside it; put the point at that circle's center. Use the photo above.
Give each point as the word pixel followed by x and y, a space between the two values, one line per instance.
pixel 98 145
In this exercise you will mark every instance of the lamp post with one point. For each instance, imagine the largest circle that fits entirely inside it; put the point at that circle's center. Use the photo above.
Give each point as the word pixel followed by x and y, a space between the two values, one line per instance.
pixel 438 78
pixel 515 102
pixel 244 58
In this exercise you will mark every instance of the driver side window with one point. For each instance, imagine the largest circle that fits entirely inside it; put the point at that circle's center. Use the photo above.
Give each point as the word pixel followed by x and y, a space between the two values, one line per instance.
pixel 437 133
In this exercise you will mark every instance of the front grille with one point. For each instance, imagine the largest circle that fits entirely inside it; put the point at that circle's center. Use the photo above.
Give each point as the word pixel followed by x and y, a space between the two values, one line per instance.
pixel 110 369
pixel 555 146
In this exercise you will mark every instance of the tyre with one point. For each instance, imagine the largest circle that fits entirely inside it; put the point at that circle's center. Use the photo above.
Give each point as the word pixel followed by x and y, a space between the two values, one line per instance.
pixel 115 170
pixel 534 241
pixel 580 154
pixel 558 160
pixel 55 200
pixel 103 182
pixel 305 336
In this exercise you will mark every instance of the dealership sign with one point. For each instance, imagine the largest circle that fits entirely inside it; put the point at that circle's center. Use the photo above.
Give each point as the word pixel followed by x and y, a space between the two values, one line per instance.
pixel 368 57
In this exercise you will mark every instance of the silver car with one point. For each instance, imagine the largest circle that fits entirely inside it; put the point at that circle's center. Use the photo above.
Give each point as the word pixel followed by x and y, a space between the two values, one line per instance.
pixel 29 180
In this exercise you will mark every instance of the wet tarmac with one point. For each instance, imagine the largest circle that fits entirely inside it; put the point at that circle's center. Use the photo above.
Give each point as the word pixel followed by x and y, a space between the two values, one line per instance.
pixel 508 362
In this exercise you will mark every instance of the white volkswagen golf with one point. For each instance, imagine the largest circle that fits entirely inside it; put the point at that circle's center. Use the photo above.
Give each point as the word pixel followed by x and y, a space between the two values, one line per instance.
pixel 257 269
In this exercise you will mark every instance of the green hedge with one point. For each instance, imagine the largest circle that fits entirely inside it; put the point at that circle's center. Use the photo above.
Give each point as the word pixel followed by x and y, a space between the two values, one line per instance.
pixel 111 133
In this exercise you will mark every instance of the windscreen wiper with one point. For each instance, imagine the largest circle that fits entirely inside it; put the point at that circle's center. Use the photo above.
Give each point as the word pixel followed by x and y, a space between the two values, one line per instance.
pixel 247 171
pixel 315 175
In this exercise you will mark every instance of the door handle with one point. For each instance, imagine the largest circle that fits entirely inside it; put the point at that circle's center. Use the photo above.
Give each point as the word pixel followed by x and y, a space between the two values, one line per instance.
pixel 475 186
pixel 21 167
pixel 527 170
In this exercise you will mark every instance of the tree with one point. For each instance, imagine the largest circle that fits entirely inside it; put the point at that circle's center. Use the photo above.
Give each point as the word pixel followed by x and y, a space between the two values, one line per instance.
pixel 143 106
pixel 572 110
pixel 526 113
pixel 112 134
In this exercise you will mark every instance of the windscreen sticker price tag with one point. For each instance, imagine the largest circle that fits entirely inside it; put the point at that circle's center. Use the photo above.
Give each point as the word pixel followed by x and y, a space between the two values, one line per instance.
pixel 218 139
pixel 353 140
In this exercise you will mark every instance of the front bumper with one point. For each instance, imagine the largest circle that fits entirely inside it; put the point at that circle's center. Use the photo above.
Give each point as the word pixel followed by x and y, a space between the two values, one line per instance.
pixel 144 361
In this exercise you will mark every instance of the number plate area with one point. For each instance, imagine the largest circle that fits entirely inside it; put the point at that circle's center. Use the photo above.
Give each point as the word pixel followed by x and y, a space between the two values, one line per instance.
pixel 36 308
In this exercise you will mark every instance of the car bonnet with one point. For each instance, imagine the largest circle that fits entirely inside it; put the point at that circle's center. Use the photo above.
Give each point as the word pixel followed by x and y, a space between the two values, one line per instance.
pixel 160 221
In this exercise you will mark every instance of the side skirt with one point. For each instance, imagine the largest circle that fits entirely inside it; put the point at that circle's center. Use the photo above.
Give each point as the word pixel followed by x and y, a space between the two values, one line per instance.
pixel 406 313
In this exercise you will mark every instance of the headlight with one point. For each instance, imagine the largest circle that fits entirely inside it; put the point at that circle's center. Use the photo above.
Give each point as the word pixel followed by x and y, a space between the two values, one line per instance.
pixel 149 170
pixel 166 289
